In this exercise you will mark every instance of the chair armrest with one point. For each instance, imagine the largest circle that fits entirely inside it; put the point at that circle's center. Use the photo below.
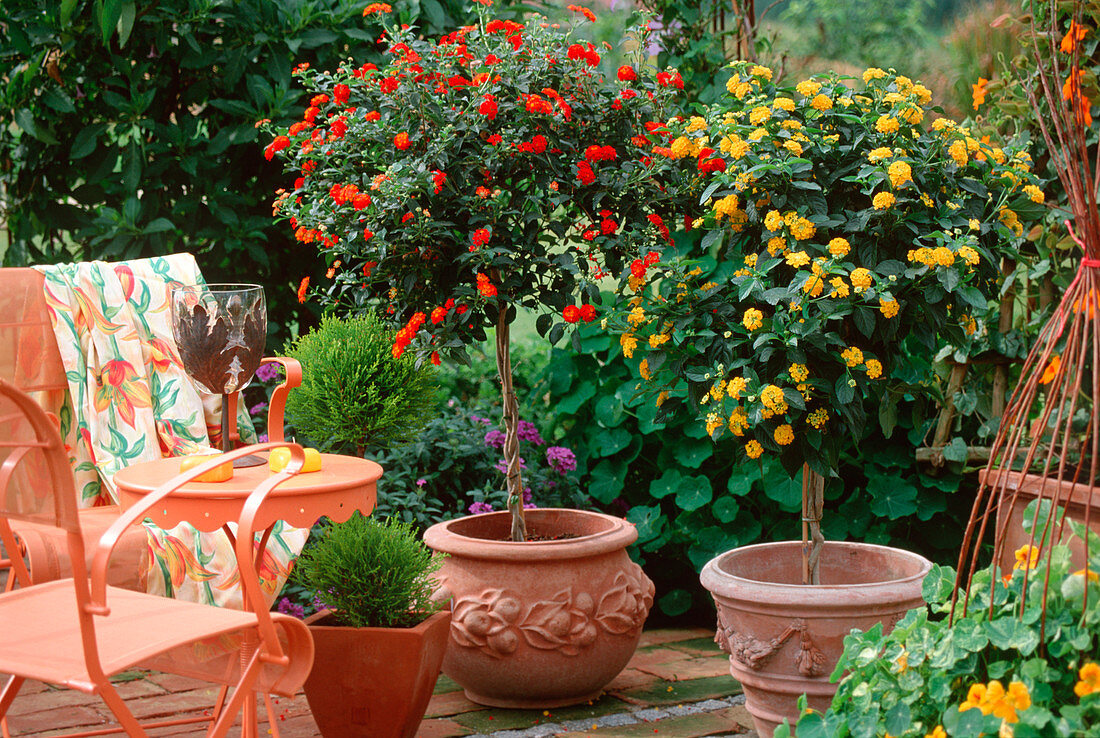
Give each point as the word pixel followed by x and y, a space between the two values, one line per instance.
pixel 277 406
pixel 246 559
pixel 110 538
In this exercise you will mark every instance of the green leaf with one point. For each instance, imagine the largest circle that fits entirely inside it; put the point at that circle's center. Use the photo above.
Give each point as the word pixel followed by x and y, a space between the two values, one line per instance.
pixel 676 602
pixel 898 718
pixel 609 411
pixel 572 403
pixel 108 19
pixel 693 452
pixel 694 492
pixel 611 441
pixel 58 100
pixel 648 521
pixel 1009 632
pixel 607 480
pixel 665 485
pixel 24 118
pixel 125 25
pixel 956 450
pixel 740 484
pixel 844 392
pixel 725 509
pixel 893 497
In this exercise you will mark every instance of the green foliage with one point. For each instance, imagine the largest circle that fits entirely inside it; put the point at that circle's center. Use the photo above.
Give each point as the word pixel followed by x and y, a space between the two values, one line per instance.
pixel 692 499
pixel 455 467
pixel 128 128
pixel 354 394
pixel 372 574
pixel 448 196
pixel 999 663
pixel 840 234
pixel 864 32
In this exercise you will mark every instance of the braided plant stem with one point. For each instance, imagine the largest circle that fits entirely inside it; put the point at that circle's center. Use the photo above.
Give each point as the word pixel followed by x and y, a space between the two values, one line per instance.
pixel 511 428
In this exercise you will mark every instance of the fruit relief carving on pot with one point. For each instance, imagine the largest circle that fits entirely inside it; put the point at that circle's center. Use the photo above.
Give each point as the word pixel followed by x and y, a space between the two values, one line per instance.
pixel 494 620
pixel 755 653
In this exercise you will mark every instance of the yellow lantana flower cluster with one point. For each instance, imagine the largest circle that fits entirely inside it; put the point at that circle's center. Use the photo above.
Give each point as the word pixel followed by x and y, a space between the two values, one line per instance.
pixel 771 397
pixel 752 319
pixel 852 356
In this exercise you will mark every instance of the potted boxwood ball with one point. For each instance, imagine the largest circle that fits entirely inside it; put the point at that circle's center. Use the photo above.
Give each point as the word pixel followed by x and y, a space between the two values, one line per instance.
pixel 380 640
pixel 841 232
pixel 493 169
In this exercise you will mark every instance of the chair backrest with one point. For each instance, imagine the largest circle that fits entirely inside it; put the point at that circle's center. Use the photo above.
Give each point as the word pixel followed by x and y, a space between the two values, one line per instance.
pixel 29 358
pixel 36 481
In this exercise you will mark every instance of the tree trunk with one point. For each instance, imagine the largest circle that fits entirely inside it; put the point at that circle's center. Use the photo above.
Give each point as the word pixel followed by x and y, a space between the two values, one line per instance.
pixel 813 500
pixel 511 429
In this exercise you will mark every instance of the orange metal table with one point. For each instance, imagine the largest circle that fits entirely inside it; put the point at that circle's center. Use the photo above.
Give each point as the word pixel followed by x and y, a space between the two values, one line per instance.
pixel 344 484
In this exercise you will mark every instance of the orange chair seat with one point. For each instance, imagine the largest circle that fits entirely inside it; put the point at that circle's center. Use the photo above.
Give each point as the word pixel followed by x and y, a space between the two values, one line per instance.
pixel 41 638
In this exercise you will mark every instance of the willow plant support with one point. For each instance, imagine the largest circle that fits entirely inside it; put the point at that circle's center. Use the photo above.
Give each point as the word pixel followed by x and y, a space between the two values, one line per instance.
pixel 813 500
pixel 1061 374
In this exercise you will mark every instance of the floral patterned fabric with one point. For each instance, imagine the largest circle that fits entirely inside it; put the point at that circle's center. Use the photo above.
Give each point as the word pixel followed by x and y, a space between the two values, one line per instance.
pixel 132 401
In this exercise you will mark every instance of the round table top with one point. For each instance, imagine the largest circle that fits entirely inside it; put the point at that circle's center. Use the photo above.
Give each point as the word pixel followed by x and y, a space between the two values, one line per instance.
pixel 343 484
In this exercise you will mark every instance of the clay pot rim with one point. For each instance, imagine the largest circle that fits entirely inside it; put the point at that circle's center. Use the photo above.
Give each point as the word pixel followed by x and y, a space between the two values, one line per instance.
pixel 1036 485
pixel 618 534
pixel 425 624
pixel 723 584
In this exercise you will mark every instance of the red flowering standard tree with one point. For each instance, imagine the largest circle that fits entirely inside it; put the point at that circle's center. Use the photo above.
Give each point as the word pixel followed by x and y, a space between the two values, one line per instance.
pixel 491 169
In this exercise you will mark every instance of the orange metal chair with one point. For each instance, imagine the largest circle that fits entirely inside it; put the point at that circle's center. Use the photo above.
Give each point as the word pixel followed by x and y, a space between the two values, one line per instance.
pixel 29 360
pixel 78 632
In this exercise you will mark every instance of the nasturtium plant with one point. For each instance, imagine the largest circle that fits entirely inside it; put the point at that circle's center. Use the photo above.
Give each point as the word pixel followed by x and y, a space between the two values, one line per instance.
pixel 998 668
pixel 493 168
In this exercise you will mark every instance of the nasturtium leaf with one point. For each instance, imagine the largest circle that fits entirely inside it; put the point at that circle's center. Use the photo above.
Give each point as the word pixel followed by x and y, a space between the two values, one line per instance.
pixel 611 441
pixel 893 497
pixel 725 509
pixel 609 411
pixel 692 452
pixel 1009 633
pixel 647 520
pixel 955 450
pixel 665 485
pixel 694 492
pixel 572 403
pixel 676 602
pixel 607 480
pixel 740 484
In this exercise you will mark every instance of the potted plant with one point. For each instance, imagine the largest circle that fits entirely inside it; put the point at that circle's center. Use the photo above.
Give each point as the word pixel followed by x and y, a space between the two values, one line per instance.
pixel 839 228
pixel 492 169
pixel 987 671
pixel 380 640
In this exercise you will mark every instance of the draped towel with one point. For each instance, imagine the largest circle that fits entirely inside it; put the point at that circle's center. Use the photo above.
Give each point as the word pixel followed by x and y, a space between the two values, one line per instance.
pixel 132 401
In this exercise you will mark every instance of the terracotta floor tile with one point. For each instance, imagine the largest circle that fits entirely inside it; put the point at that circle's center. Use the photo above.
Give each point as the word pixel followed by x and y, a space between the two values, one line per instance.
pixel 667 635
pixel 450 703
pixel 697 668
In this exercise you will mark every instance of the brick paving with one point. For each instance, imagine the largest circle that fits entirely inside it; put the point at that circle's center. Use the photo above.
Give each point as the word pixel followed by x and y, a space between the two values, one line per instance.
pixel 677 685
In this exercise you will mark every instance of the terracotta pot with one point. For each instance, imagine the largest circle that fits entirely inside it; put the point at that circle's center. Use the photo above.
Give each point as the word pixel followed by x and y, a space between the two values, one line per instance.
pixel 373 682
pixel 542 623
pixel 1020 490
pixel 785 638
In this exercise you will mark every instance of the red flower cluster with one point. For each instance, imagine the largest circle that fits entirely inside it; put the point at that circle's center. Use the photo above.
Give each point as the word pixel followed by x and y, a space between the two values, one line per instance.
pixel 659 223
pixel 627 74
pixel 537 145
pixel 338 127
pixel 488 106
pixel 280 143
pixel 377 8
pixel 536 104
pixel 600 153
pixel 638 266
pixel 586 52
pixel 583 11
pixel 484 286
pixel 480 238
pixel 670 80
pixel 341 93
pixel 572 314
pixel 389 84
pixel 401 141
pixel 585 173
pixel 707 165
pixel 405 336
pixel 438 179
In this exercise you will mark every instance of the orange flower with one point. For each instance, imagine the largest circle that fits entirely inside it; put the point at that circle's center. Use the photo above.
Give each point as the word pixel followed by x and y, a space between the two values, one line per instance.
pixel 978 91
pixel 119 386
pixel 1052 370
pixel 1071 91
pixel 377 8
pixel 583 11
pixel 1074 34
pixel 401 141
pixel 303 287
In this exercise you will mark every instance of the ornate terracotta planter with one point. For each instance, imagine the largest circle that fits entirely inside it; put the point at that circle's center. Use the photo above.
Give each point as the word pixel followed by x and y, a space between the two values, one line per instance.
pixel 373 682
pixel 542 623
pixel 1020 490
pixel 784 638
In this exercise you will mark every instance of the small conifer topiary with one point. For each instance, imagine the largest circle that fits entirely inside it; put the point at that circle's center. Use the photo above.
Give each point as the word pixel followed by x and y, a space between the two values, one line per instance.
pixel 355 395
pixel 371 573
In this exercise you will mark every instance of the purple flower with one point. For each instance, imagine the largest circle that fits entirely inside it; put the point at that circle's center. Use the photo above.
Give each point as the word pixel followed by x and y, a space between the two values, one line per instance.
pixel 528 432
pixel 287 607
pixel 479 419
pixel 529 506
pixel 527 494
pixel 561 459
pixel 477 508
pixel 502 465
pixel 258 408
pixel 262 438
pixel 421 482
pixel 318 604
pixel 495 439
pixel 267 372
